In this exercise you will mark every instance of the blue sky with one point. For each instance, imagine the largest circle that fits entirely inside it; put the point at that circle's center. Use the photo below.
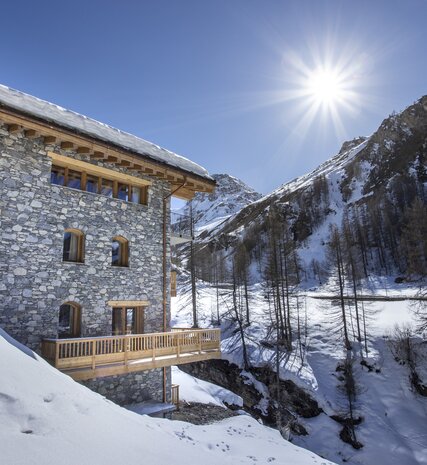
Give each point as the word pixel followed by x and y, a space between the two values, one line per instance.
pixel 217 81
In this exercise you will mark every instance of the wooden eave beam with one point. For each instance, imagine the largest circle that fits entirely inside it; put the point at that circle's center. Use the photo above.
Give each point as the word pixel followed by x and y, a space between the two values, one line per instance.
pixel 67 145
pixel 14 128
pixel 31 133
pixel 83 149
pixel 49 139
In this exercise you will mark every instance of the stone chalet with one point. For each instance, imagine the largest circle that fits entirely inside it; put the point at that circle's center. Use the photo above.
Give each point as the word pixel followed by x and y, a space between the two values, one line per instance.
pixel 85 249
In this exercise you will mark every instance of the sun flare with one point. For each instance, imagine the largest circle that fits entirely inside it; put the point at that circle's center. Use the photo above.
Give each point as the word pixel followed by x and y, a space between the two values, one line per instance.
pixel 325 86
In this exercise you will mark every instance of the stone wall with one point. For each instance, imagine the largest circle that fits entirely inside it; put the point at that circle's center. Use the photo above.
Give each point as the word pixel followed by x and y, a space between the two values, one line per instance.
pixel 34 280
pixel 133 387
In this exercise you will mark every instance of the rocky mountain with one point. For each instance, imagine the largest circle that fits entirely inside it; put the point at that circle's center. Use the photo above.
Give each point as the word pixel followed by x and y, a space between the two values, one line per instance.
pixel 376 184
pixel 230 196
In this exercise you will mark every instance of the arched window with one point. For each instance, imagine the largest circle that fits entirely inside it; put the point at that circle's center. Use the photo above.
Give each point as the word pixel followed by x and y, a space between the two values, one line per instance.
pixel 73 246
pixel 120 251
pixel 69 320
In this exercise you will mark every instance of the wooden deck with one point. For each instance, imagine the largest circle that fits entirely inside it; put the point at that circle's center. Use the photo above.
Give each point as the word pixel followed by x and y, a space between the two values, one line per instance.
pixel 87 358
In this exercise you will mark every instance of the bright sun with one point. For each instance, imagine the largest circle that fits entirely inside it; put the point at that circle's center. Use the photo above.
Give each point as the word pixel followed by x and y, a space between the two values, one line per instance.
pixel 325 86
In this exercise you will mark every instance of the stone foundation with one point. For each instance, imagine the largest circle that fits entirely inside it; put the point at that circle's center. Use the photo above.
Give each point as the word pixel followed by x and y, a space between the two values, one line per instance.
pixel 132 387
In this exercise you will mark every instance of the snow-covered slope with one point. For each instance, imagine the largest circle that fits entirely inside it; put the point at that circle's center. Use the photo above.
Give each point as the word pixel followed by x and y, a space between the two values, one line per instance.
pixel 393 429
pixel 46 418
pixel 230 196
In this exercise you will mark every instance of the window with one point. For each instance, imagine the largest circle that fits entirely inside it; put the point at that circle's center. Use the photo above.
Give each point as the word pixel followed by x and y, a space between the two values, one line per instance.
pixel 57 175
pixel 128 320
pixel 69 320
pixel 74 179
pixel 106 187
pixel 119 251
pixel 73 250
pixel 123 192
pixel 136 195
pixel 92 184
pixel 86 181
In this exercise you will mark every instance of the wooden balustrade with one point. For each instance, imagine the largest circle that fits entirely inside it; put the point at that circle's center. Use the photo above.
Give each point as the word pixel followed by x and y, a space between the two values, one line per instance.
pixel 147 350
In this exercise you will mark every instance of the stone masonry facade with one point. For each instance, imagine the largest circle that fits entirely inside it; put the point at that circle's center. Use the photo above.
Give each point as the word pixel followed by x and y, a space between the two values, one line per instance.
pixel 34 280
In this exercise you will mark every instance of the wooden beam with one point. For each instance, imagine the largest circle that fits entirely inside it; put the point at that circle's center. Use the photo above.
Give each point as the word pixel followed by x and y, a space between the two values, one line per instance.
pixel 67 145
pixel 112 159
pixel 96 170
pixel 81 374
pixel 83 150
pixel 49 139
pixel 128 303
pixel 124 163
pixel 97 154
pixel 31 133
pixel 14 128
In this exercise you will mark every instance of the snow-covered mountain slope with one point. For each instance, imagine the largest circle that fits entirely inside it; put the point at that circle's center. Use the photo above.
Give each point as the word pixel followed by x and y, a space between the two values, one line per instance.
pixel 230 196
pixel 47 418
pixel 375 179
pixel 393 428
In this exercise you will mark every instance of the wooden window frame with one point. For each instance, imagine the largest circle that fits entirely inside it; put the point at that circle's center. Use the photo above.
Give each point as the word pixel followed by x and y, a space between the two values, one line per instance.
pixel 123 251
pixel 139 319
pixel 80 245
pixel 76 323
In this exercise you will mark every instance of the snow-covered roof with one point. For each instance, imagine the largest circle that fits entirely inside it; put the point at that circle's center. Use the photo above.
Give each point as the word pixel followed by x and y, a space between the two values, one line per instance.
pixel 69 119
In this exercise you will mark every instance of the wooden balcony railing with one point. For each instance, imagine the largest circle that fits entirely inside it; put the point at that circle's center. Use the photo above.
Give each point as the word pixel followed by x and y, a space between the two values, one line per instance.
pixel 85 358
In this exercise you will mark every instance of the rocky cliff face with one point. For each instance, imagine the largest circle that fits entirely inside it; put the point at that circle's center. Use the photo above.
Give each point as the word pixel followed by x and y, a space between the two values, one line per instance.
pixel 230 196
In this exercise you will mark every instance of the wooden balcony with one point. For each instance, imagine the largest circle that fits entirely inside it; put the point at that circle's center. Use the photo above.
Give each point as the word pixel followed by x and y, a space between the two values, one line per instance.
pixel 87 358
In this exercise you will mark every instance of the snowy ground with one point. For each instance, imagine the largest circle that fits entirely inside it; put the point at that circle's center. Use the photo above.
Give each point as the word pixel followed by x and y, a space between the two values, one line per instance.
pixel 394 430
pixel 48 419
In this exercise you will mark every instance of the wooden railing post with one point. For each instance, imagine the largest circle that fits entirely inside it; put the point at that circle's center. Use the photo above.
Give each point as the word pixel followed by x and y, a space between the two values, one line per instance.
pixel 199 335
pixel 93 354
pixel 178 346
pixel 125 342
pixel 56 355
